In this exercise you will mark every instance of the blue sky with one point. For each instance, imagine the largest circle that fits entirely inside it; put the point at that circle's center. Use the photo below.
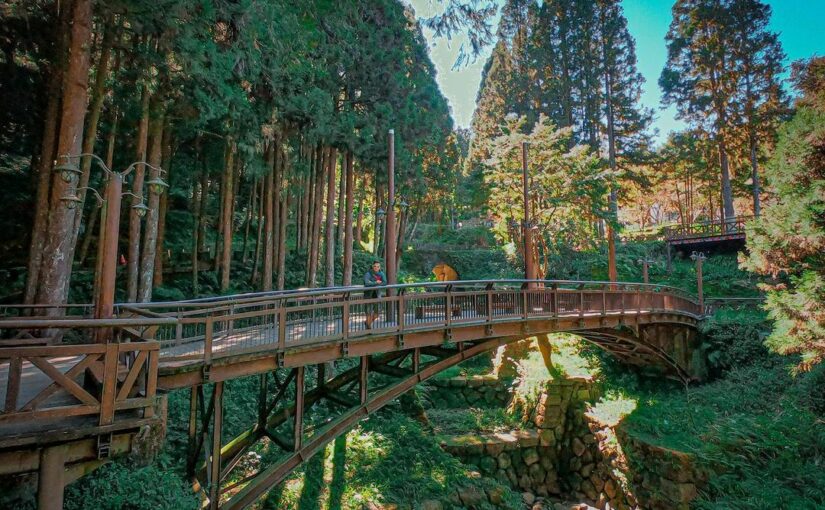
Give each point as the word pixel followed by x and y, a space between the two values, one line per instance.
pixel 800 24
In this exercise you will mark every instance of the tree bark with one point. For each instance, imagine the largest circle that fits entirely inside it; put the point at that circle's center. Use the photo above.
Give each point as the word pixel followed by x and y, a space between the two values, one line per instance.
pixel 110 152
pixel 44 177
pixel 284 212
pixel 253 196
pixel 133 252
pixel 166 163
pixel 330 226
pixel 56 268
pixel 269 219
pixel 90 135
pixel 228 188
pixel 349 185
pixel 150 231
pixel 727 191
pixel 259 240
pixel 318 209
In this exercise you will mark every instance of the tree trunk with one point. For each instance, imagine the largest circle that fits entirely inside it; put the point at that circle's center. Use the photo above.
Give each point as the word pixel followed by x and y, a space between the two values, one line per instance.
pixel 727 192
pixel 150 231
pixel 110 151
pixel 269 219
pixel 757 204
pixel 284 211
pixel 259 240
pixel 133 252
pixel 44 177
pixel 317 215
pixel 342 206
pixel 330 226
pixel 90 135
pixel 359 221
pixel 204 198
pixel 250 214
pixel 228 187
pixel 196 217
pixel 349 186
pixel 56 268
pixel 166 164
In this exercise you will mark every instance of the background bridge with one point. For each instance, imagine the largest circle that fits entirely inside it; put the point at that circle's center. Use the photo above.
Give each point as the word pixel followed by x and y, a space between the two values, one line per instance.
pixel 69 407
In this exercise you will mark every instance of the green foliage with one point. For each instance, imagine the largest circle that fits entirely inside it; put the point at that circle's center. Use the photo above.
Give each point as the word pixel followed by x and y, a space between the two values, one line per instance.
pixel 788 240
pixel 120 486
pixel 734 338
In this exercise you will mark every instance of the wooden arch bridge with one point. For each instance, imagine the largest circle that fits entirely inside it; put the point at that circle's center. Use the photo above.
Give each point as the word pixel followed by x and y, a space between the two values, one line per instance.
pixel 97 390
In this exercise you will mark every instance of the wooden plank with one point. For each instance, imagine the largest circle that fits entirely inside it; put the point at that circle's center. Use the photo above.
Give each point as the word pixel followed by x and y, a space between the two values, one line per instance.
pixel 107 397
pixel 151 381
pixel 13 385
pixel 134 371
pixel 65 381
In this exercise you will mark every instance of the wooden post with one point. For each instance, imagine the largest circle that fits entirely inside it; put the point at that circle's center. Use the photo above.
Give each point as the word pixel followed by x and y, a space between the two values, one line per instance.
pixel 363 380
pixel 192 444
pixel 299 408
pixel 105 299
pixel 51 478
pixel 215 461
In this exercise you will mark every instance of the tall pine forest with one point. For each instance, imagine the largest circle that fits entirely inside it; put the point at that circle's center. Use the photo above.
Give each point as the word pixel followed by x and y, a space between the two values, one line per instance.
pixel 199 150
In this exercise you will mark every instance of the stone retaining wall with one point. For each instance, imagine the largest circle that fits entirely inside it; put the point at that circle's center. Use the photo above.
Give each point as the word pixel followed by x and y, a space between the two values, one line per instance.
pixel 473 391
pixel 662 479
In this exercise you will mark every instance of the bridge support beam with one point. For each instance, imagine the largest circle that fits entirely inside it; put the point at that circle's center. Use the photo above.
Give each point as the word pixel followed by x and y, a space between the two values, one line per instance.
pixel 51 478
pixel 215 461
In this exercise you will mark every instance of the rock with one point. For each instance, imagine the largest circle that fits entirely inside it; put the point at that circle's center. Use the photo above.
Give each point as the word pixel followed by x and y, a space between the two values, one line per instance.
pixel 496 495
pixel 488 465
pixel 530 456
pixel 494 448
pixel 528 497
pixel 589 491
pixel 610 489
pixel 587 470
pixel 597 482
pixel 524 482
pixel 471 496
pixel 578 447
pixel 503 461
pixel 547 438
pixel 431 504
pixel 537 473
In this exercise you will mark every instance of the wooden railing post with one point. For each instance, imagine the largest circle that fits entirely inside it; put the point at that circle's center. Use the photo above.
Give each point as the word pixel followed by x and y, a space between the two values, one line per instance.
pixel 448 305
pixel 282 326
pixel 581 300
pixel 207 340
pixel 107 395
pixel 489 289
pixel 345 316
pixel 554 300
pixel 402 309
pixel 525 300
pixel 13 384
pixel 604 300
pixel 299 409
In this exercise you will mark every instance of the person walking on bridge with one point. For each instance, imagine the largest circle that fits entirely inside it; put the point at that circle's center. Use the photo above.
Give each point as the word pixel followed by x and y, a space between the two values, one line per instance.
pixel 373 278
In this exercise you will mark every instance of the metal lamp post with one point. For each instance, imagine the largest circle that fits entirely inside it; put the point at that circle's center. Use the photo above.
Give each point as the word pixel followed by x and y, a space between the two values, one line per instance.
pixel 110 221
pixel 699 258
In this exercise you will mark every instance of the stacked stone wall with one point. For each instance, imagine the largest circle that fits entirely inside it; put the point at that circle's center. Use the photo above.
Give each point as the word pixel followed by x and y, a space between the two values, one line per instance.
pixel 472 391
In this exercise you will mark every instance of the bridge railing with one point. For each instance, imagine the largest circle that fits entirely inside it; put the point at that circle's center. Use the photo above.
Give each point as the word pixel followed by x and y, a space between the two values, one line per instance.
pixel 204 330
pixel 115 382
pixel 707 228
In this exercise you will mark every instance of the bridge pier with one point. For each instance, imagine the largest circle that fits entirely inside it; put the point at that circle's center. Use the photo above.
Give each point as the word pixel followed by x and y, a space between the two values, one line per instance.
pixel 51 479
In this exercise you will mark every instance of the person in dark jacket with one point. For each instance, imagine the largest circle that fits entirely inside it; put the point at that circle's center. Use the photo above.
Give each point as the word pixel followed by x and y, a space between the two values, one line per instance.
pixel 373 278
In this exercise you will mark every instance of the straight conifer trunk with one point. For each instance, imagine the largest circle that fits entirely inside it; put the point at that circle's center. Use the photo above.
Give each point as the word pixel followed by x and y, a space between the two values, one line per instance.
pixel 228 188
pixel 269 218
pixel 166 160
pixel 44 177
pixel 330 226
pixel 349 185
pixel 150 233
pixel 56 268
pixel 133 252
